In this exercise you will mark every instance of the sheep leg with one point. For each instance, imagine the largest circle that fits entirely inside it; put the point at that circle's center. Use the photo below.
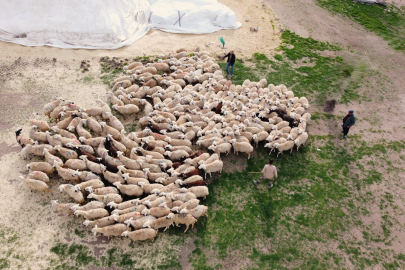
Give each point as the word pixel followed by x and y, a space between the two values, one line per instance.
pixel 186 228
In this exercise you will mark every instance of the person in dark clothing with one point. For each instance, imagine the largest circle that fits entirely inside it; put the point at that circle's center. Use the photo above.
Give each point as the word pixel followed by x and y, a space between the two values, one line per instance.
pixel 230 62
pixel 348 121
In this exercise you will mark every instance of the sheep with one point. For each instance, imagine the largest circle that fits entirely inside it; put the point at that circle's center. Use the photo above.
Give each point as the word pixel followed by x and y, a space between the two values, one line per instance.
pixel 86 175
pixel 64 208
pixel 133 180
pixel 44 167
pixel 157 202
pixel 110 130
pixel 147 188
pixel 93 142
pixel 65 152
pixel 76 164
pixel 163 222
pixel 141 235
pixel 156 211
pixel 89 206
pixel 42 126
pixel 191 204
pixel 199 191
pixel 195 160
pixel 137 208
pixel 176 142
pixel 154 155
pixel 35 149
pixel 153 176
pixel 181 147
pixel 22 141
pixel 67 174
pixel 221 148
pixel 37 175
pixel 122 218
pixel 288 145
pixel 138 223
pixel 127 142
pixel 177 155
pixel 92 166
pixel 258 137
pixel 200 210
pixel 93 183
pixel 131 173
pixel 49 107
pixel 36 185
pixel 111 177
pixel 101 190
pixel 301 139
pixel 126 109
pixel 73 192
pixel 93 213
pixel 51 159
pixel 192 179
pixel 106 198
pixel 111 230
pixel 124 205
pixel 184 197
pixel 100 223
pixel 242 147
pixel 130 190
pixel 186 219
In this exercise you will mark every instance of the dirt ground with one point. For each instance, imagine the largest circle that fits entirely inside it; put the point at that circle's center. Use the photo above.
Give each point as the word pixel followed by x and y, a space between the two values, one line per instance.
pixel 31 76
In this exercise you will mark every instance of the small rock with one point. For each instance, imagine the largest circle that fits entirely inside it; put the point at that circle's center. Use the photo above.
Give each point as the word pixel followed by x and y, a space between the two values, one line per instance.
pixel 206 45
pixel 23 35
pixel 252 29
pixel 16 36
pixel 197 49
pixel 281 30
pixel 256 29
pixel 247 20
pixel 242 60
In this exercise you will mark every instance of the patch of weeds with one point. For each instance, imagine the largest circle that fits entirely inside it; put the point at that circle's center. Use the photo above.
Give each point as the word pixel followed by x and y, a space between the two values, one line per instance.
pixel 85 65
pixel 81 234
pixel 387 22
pixel 88 79
pixel 4 264
pixel 114 64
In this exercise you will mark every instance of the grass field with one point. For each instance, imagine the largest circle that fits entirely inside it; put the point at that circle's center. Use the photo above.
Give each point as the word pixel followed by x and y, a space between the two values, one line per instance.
pixel 387 22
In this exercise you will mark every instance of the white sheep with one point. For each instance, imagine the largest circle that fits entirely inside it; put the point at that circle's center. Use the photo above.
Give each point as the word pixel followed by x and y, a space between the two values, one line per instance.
pixel 243 147
pixel 141 235
pixel 221 148
pixel 73 191
pixel 92 213
pixel 177 155
pixel 130 190
pixel 301 139
pixel 288 145
pixel 126 109
pixel 111 230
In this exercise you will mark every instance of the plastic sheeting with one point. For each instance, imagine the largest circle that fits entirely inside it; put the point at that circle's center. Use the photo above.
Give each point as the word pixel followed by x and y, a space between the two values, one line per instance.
pixel 106 24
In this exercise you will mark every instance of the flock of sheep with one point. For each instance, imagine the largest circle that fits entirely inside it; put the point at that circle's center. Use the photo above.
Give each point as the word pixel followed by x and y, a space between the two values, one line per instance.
pixel 153 178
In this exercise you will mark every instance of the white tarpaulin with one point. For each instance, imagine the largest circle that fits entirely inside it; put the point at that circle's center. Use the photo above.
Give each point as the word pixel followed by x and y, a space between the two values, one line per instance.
pixel 106 24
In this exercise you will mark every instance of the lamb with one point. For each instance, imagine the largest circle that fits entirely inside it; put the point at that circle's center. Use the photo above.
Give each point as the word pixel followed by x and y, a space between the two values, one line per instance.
pixel 93 213
pixel 100 223
pixel 130 190
pixel 141 235
pixel 37 175
pixel 126 109
pixel 200 191
pixel 49 107
pixel 186 219
pixel 106 198
pixel 40 166
pixel 88 206
pixel 138 223
pixel 301 139
pixel 163 222
pixel 177 155
pixel 147 188
pixel 66 174
pixel 284 146
pixel 73 192
pixel 36 185
pixel 221 148
pixel 102 190
pixel 242 147
pixel 63 208
pixel 111 230
pixel 156 211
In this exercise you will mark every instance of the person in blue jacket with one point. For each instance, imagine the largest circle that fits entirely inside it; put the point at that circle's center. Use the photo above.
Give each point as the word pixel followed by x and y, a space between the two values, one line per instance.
pixel 230 62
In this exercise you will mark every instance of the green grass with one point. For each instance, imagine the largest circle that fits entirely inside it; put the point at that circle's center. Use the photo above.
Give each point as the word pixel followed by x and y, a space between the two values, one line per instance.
pixel 387 22
pixel 301 67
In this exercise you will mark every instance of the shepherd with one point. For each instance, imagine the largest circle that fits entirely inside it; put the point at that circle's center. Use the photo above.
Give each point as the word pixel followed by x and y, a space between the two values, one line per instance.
pixel 348 121
pixel 230 62
pixel 269 172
